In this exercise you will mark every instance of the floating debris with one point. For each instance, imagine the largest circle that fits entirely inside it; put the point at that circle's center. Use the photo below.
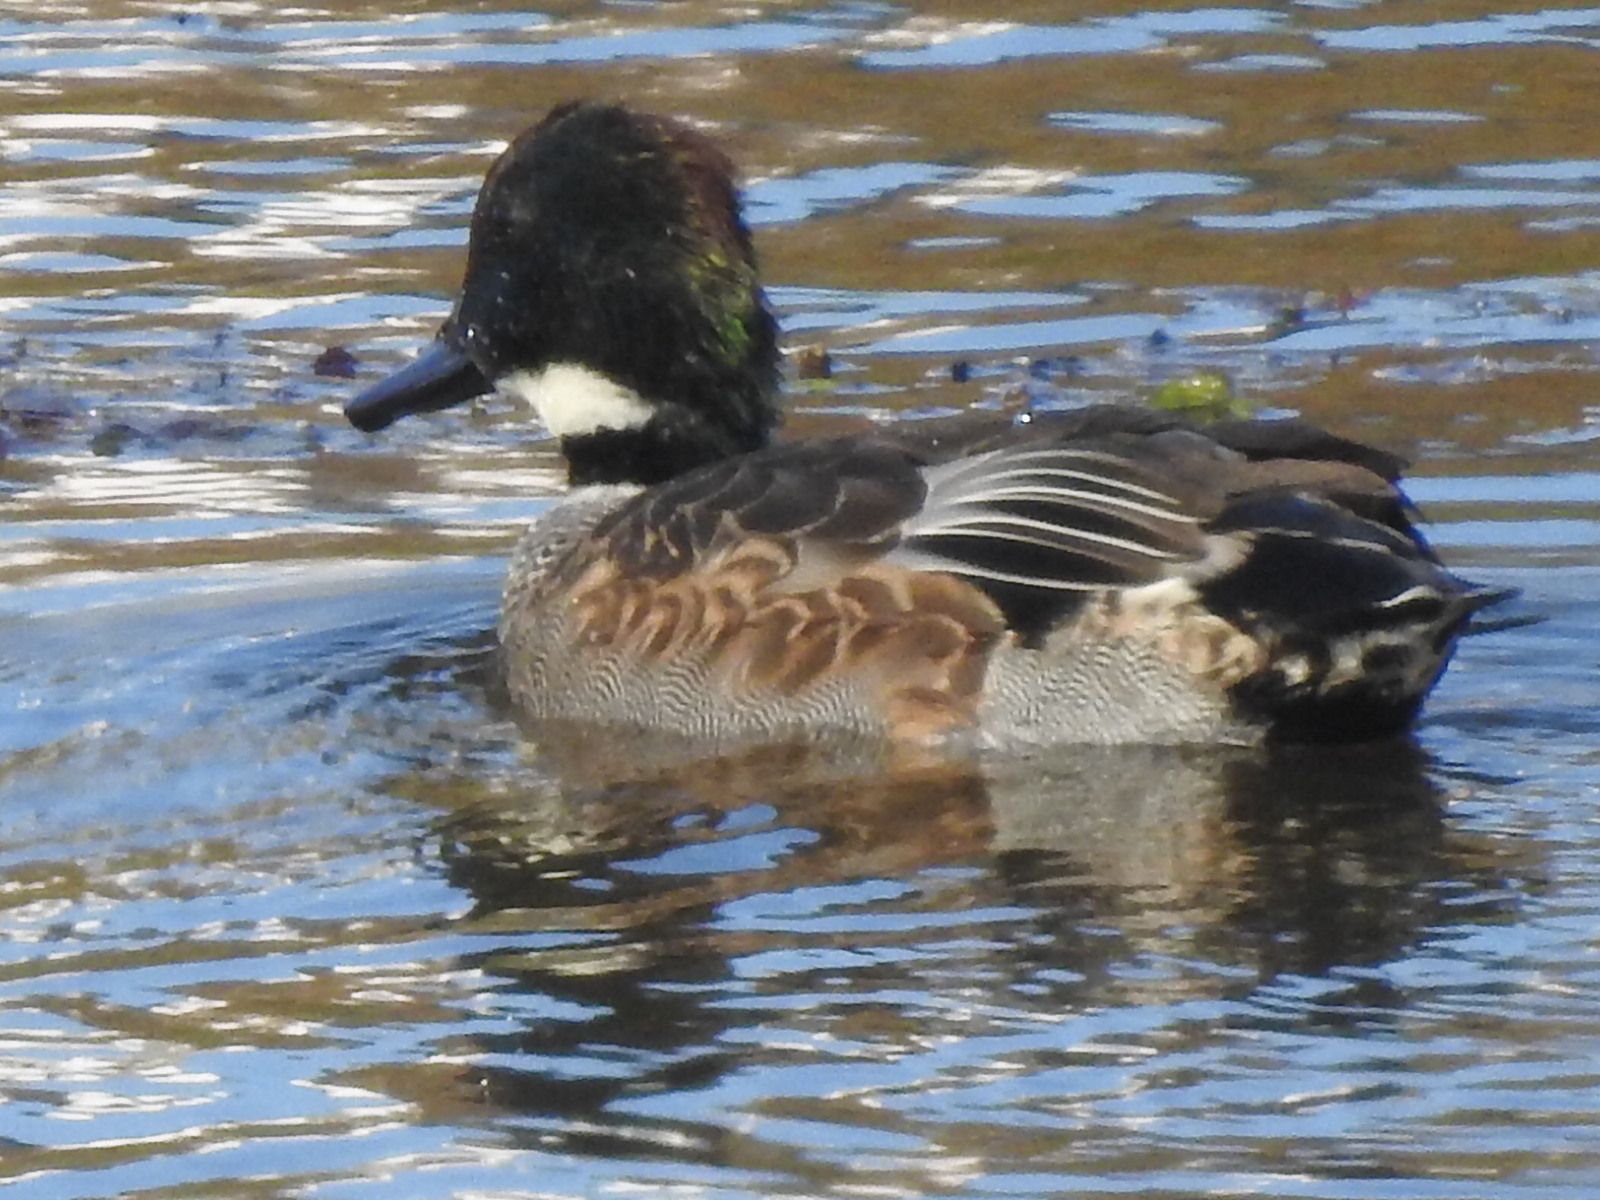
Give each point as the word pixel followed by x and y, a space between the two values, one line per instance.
pixel 335 363
pixel 40 413
pixel 114 439
pixel 813 362
pixel 1206 395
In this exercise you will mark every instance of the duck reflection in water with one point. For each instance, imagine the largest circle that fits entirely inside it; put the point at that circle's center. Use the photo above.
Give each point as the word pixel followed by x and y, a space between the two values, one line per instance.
pixel 696 919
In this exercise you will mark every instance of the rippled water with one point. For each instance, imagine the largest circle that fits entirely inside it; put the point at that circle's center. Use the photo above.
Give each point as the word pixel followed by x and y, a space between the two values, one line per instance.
pixel 286 909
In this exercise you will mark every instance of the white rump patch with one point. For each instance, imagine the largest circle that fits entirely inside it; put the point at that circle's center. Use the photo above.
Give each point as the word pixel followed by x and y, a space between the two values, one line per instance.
pixel 573 400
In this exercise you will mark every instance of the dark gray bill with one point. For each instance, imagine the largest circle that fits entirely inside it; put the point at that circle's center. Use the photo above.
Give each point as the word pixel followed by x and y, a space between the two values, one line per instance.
pixel 437 378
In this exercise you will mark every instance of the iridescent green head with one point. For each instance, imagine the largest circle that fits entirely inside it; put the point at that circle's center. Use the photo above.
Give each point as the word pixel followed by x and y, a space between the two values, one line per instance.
pixel 611 282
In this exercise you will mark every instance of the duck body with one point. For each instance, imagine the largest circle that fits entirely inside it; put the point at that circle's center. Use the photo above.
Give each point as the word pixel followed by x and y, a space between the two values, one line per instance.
pixel 1122 577
pixel 1107 575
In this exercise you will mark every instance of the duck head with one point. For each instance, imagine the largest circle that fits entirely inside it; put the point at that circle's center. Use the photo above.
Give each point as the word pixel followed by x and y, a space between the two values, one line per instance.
pixel 611 283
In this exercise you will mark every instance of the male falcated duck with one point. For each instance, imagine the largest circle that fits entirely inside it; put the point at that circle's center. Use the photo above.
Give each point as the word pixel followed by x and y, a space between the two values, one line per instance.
pixel 1107 575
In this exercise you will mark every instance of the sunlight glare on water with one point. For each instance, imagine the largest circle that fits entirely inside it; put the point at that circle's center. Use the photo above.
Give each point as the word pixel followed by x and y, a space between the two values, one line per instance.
pixel 288 907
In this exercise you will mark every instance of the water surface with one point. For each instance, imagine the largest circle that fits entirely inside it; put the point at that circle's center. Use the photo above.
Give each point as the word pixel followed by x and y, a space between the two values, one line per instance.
pixel 288 909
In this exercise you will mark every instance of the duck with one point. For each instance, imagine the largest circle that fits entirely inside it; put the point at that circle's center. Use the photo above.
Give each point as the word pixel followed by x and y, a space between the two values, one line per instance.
pixel 1105 575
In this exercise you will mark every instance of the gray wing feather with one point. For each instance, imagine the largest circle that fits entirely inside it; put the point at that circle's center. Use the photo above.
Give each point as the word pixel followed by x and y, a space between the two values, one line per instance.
pixel 1054 517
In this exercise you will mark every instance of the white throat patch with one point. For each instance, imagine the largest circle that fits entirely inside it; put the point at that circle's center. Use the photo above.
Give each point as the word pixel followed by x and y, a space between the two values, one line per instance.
pixel 573 400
